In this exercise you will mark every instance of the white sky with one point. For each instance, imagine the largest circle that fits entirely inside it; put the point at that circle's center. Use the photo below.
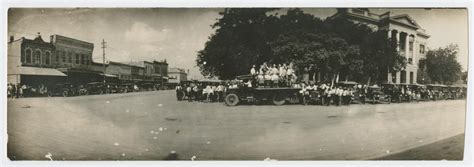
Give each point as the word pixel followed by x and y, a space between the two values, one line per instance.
pixel 177 34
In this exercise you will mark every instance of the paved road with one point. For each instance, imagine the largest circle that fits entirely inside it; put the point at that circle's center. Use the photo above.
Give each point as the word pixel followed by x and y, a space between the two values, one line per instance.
pixel 149 125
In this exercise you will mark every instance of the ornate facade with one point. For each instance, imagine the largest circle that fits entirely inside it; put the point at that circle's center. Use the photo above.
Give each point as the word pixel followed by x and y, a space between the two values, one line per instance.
pixel 410 37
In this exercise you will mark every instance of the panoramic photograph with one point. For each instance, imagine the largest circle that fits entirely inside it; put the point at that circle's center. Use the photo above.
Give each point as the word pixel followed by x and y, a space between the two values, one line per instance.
pixel 264 84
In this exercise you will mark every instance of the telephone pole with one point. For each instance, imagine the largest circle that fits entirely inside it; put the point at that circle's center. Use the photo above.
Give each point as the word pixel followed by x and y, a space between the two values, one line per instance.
pixel 103 57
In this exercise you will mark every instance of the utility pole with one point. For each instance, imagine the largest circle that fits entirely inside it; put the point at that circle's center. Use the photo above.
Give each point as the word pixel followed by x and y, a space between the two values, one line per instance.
pixel 103 57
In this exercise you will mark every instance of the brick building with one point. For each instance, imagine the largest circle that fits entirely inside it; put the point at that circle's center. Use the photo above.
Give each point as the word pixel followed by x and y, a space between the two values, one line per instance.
pixel 31 61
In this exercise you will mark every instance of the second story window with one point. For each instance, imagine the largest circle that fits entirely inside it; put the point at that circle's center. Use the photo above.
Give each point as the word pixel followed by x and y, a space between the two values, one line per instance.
pixel 37 57
pixel 47 58
pixel 77 59
pixel 83 59
pixel 69 57
pixel 28 55
pixel 422 49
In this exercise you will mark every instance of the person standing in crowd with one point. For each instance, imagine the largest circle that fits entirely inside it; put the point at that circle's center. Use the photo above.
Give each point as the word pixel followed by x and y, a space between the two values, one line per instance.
pixel 302 93
pixel 268 77
pixel 14 91
pixel 9 90
pixel 345 95
pixel 252 70
pixel 179 92
pixel 282 71
pixel 312 72
pixel 189 92
pixel 306 75
pixel 220 92
pixel 329 93
pixel 22 89
pixel 196 94
pixel 260 78
pixel 206 92
pixel 275 77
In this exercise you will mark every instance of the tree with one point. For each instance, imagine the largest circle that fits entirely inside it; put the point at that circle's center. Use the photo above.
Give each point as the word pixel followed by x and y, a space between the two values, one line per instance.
pixel 441 65
pixel 377 54
pixel 246 37
pixel 240 41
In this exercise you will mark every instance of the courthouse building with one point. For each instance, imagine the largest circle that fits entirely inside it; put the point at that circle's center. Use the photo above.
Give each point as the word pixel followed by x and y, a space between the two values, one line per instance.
pixel 411 38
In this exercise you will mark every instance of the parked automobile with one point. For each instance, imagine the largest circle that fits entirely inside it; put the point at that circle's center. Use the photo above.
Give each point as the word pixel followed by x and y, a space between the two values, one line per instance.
pixel 278 96
pixel 147 87
pixel 376 95
pixel 95 88
pixel 64 90
pixel 126 87
pixel 112 88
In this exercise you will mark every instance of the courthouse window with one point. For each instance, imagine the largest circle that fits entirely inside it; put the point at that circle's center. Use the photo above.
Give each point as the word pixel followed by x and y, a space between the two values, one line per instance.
pixel 422 49
pixel 63 56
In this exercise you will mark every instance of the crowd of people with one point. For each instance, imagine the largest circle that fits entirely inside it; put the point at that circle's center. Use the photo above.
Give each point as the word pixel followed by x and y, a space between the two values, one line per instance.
pixel 310 91
pixel 203 92
pixel 22 90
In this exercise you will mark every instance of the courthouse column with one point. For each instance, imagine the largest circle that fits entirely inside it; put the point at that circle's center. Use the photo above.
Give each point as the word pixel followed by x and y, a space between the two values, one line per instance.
pixel 407 50
pixel 397 36
pixel 397 76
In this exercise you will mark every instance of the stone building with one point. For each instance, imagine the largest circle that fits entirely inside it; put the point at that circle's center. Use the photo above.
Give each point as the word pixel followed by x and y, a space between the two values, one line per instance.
pixel 176 75
pixel 411 38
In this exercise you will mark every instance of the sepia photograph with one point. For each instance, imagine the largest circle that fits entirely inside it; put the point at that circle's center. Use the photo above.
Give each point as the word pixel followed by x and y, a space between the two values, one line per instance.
pixel 246 83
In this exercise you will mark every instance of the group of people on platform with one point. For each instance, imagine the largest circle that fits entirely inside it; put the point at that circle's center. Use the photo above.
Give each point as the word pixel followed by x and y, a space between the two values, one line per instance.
pixel 274 75
pixel 283 74
pixel 202 92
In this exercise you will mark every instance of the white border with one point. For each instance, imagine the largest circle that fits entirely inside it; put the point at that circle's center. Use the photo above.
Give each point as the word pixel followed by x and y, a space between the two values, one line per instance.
pixel 4 5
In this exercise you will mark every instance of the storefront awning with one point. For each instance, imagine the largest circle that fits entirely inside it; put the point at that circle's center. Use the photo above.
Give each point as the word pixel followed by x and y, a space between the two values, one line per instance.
pixel 41 71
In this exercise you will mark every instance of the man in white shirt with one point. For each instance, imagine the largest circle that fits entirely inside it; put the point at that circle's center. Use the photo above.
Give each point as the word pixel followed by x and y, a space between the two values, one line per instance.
pixel 253 71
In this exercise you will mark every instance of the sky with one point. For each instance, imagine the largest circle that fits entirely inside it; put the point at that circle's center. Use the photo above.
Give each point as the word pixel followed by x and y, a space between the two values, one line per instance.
pixel 138 34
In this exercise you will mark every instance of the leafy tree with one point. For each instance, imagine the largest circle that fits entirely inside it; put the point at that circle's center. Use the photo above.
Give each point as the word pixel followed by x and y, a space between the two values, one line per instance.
pixel 442 66
pixel 240 40
pixel 245 37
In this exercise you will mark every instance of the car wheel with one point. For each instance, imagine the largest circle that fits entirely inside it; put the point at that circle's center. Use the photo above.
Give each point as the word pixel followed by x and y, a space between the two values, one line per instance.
pixel 65 94
pixel 50 94
pixel 278 99
pixel 231 99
